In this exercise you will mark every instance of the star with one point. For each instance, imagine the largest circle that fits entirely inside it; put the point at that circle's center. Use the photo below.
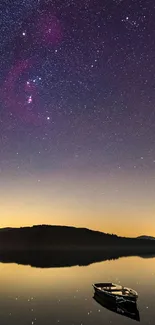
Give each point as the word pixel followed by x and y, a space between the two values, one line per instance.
pixel 77 104
pixel 29 101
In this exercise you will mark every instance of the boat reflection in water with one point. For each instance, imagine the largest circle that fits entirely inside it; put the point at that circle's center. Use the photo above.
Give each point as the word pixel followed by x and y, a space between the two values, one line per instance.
pixel 127 309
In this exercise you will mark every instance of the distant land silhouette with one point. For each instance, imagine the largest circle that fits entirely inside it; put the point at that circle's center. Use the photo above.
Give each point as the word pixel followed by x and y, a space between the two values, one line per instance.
pixel 146 237
pixel 57 246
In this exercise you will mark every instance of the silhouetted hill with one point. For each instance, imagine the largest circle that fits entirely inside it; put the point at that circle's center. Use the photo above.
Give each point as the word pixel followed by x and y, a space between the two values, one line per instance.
pixel 44 237
pixel 57 246
pixel 146 237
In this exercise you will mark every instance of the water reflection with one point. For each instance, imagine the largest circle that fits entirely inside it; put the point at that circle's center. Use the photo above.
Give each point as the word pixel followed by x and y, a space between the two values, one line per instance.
pixel 59 258
pixel 64 295
pixel 127 309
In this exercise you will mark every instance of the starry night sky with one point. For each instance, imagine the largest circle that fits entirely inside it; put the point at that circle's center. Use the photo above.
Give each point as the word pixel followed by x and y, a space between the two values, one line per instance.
pixel 77 114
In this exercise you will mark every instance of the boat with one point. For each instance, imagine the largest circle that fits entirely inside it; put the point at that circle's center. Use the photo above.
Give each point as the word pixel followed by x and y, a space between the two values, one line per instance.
pixel 115 292
pixel 127 309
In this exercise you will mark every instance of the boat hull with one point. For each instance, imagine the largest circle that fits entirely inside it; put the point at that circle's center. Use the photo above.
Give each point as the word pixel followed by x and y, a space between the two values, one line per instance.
pixel 114 298
pixel 125 308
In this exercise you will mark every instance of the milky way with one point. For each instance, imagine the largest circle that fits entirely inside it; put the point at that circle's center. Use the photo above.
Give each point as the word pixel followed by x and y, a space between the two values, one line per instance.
pixel 78 78
pixel 77 82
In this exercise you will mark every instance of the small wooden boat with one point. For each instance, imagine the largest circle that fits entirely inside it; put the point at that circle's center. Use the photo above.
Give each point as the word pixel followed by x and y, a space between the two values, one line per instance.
pixel 115 292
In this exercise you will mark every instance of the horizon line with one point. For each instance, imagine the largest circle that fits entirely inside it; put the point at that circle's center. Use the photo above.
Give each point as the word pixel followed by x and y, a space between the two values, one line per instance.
pixel 57 225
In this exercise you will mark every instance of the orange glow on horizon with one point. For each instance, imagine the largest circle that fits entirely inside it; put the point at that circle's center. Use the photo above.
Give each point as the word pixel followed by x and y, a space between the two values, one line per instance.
pixel 119 205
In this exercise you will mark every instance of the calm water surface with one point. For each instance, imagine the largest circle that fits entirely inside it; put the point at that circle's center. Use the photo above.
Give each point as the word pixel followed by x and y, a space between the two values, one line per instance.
pixel 65 295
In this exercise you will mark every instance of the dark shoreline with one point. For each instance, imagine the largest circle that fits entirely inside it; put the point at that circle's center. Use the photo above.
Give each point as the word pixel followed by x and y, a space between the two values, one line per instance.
pixel 68 257
pixel 58 246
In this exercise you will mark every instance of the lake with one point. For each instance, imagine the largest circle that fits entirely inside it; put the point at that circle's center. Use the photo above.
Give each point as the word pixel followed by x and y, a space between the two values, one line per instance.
pixel 65 295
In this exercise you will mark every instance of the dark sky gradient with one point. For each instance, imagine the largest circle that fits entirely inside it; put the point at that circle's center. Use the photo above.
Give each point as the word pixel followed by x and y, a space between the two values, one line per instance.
pixel 77 82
